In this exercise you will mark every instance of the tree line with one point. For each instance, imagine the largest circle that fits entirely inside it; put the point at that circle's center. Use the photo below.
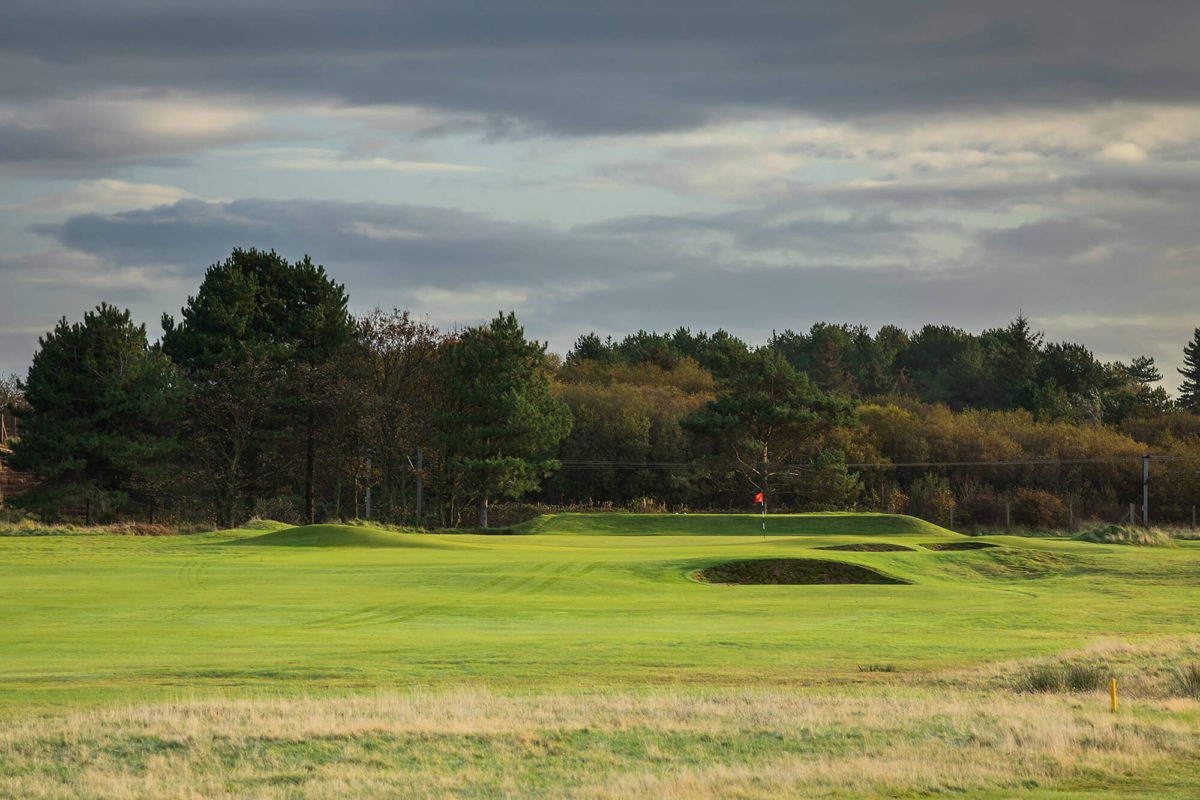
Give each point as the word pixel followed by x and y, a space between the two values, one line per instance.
pixel 267 397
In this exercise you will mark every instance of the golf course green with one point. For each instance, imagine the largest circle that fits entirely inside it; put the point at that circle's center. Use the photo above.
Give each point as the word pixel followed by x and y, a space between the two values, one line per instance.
pixel 593 608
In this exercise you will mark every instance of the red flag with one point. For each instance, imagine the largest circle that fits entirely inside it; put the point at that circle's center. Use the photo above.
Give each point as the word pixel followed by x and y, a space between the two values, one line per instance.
pixel 758 497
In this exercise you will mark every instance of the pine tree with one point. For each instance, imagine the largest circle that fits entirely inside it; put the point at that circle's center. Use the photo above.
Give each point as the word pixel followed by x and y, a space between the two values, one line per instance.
pixel 765 418
pixel 1189 390
pixel 258 322
pixel 501 427
pixel 1143 371
pixel 829 372
pixel 98 410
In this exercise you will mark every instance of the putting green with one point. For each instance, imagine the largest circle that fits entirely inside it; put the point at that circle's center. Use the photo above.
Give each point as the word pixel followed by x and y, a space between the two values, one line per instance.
pixel 579 601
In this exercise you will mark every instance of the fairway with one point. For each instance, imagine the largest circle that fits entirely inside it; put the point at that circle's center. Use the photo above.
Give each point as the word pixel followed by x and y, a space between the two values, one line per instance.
pixel 571 606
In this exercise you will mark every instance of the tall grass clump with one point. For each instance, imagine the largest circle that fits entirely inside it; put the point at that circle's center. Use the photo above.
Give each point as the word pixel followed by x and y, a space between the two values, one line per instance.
pixel 1121 534
pixel 1063 678
pixel 1188 677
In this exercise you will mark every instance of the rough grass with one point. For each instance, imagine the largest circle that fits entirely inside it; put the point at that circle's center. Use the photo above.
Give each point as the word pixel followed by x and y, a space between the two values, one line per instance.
pixel 1154 671
pixel 1188 679
pixel 792 571
pixel 958 545
pixel 27 527
pixel 701 744
pixel 869 547
pixel 1121 534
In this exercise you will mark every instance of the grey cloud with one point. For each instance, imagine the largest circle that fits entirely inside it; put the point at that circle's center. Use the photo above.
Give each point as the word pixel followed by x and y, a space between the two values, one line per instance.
pixel 806 237
pixel 90 139
pixel 617 66
pixel 1171 185
pixel 397 245
pixel 1053 239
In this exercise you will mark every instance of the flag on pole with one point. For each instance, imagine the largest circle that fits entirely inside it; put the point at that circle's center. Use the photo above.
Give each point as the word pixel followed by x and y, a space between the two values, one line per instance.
pixel 758 497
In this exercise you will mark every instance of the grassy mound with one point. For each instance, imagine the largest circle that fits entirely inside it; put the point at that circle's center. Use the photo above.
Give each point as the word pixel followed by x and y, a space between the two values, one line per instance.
pixel 958 545
pixel 341 536
pixel 791 571
pixel 869 547
pixel 1120 534
pixel 823 524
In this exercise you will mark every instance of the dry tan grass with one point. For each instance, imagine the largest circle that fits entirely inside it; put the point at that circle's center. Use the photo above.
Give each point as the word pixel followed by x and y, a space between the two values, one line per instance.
pixel 1144 670
pixel 603 745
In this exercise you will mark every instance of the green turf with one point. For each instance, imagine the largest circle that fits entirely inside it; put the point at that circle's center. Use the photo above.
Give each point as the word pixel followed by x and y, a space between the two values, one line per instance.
pixel 827 524
pixel 340 536
pixel 585 601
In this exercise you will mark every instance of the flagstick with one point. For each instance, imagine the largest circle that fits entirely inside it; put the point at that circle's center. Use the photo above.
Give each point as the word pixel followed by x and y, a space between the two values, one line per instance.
pixel 764 510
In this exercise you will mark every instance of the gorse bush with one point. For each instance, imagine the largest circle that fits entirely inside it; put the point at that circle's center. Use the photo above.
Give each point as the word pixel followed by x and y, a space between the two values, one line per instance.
pixel 1120 534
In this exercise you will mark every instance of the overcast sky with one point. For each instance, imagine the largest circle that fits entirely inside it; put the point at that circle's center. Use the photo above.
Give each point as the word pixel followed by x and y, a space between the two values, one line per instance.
pixel 614 166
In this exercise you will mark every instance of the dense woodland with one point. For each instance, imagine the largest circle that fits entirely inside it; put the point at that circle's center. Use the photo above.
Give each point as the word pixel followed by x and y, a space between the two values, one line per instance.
pixel 267 397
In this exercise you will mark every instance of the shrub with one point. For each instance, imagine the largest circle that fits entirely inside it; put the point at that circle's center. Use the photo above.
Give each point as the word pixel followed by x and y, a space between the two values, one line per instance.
pixel 282 509
pixel 894 501
pixel 979 507
pixel 1120 534
pixel 930 498
pixel 504 515
pixel 1038 509
pixel 140 529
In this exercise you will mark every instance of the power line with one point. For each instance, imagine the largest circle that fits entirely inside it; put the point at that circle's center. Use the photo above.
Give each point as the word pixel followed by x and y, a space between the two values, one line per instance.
pixel 576 463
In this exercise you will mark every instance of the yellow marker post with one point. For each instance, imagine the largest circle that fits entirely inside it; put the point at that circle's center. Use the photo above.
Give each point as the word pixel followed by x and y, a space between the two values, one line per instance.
pixel 1112 692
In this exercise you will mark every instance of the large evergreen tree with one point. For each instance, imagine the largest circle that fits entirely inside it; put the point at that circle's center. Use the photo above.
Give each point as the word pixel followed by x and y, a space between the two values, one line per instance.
pixel 1189 390
pixel 98 408
pixel 501 426
pixel 261 324
pixel 765 418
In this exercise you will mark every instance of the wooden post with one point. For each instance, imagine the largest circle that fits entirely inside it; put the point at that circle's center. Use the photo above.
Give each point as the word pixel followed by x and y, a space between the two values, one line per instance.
pixel 1112 692
pixel 1131 517
pixel 1008 516
pixel 420 475
pixel 1070 516
pixel 370 478
pixel 1146 490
